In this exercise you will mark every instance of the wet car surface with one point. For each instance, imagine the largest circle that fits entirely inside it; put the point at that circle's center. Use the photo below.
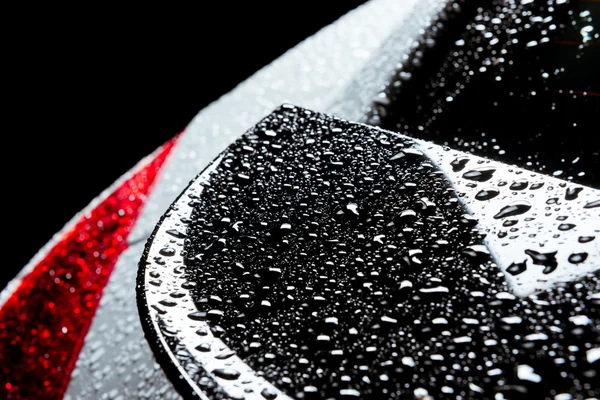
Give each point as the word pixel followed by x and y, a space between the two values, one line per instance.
pixel 317 258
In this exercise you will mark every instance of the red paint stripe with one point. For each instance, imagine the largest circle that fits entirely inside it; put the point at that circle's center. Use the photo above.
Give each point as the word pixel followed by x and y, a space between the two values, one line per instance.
pixel 44 322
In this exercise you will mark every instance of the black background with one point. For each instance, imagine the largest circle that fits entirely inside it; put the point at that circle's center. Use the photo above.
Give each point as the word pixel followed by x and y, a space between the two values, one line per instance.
pixel 89 92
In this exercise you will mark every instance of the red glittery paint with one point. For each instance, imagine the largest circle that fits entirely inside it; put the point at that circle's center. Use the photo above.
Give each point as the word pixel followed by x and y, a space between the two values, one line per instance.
pixel 44 322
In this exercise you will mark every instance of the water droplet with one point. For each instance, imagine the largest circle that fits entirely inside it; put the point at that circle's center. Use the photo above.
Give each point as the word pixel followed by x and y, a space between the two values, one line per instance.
pixel 353 208
pixel 526 373
pixel 593 355
pixel 225 354
pixel 167 251
pixel 586 239
pixel 592 204
pixel 517 268
pixel 459 163
pixel 268 393
pixel 203 347
pixel 480 174
pixel 577 258
pixel 572 193
pixel 350 393
pixel 487 194
pixel 229 374
pixel 514 208
pixel 176 233
pixel 197 316
pixel 566 227
pixel 285 227
pixel 167 303
pixel 520 184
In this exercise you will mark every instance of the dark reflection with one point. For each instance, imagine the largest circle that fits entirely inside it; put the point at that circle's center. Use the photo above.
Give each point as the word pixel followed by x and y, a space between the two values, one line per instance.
pixel 516 81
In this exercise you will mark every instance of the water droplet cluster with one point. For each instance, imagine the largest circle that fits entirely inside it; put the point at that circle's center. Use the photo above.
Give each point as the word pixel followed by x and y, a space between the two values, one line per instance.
pixel 336 261
pixel 512 80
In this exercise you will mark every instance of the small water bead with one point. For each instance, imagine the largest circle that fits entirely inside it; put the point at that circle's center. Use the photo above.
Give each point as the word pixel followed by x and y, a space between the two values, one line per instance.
pixel 353 208
pixel 593 355
pixel 585 239
pixel 225 355
pixel 167 251
pixel 566 227
pixel 476 251
pixel 480 174
pixel 268 393
pixel 487 194
pixel 203 347
pixel 468 220
pixel 459 163
pixel 592 204
pixel 176 233
pixel 525 372
pixel 520 184
pixel 349 393
pixel 572 193
pixel 578 258
pixel 229 374
pixel 197 316
pixel 517 268
pixel 515 208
